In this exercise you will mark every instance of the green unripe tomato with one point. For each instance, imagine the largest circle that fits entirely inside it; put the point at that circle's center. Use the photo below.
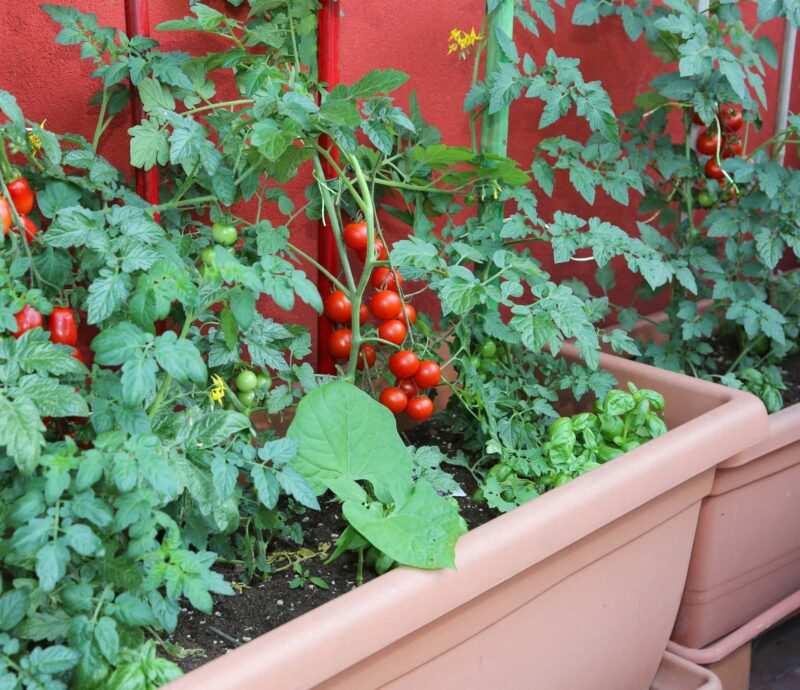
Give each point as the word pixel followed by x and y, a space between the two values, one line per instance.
pixel 247 398
pixel 705 199
pixel 246 381
pixel 489 349
pixel 207 255
pixel 264 381
pixel 224 234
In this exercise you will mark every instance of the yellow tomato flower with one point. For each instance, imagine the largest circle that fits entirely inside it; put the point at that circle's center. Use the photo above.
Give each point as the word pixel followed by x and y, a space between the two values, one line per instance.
pixel 217 391
pixel 460 41
pixel 35 140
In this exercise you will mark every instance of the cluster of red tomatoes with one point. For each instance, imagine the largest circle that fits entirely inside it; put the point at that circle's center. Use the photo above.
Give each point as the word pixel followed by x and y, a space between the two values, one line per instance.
pixel 395 317
pixel 23 197
pixel 62 323
pixel 708 142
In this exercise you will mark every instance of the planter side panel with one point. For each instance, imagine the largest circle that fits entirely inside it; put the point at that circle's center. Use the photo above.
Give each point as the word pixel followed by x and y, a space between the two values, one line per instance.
pixel 746 556
pixel 611 596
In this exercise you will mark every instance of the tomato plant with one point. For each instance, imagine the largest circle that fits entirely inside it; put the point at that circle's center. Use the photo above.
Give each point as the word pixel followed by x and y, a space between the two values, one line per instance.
pixel 730 254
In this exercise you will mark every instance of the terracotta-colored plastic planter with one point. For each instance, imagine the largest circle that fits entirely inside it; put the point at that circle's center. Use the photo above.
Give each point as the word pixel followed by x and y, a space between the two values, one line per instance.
pixel 678 674
pixel 746 557
pixel 576 590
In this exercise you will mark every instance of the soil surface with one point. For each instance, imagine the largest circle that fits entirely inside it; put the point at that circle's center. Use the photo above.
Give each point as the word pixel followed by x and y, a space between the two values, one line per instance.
pixel 791 368
pixel 725 352
pixel 262 605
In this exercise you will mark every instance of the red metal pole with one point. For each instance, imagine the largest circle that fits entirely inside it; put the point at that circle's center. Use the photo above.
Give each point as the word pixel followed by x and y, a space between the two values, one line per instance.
pixel 328 64
pixel 137 23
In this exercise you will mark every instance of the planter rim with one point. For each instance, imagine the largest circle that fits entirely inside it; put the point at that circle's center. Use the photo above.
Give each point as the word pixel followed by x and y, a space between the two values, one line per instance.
pixel 784 428
pixel 499 549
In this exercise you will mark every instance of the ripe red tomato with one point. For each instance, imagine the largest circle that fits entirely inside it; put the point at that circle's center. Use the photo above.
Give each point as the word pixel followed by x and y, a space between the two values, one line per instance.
pixel 21 194
pixel 340 343
pixel 30 228
pixel 385 279
pixel 386 304
pixel 428 375
pixel 366 355
pixel 713 170
pixel 63 327
pixel 5 215
pixel 404 364
pixel 410 312
pixel 338 307
pixel 697 119
pixel 731 146
pixel 408 387
pixel 730 115
pixel 355 236
pixel 707 143
pixel 393 330
pixel 27 319
pixel 379 252
pixel 364 313
pixel 394 399
pixel 419 408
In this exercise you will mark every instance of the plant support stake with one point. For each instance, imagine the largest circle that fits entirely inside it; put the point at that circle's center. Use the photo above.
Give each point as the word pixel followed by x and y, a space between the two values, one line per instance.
pixel 785 82
pixel 328 65
pixel 137 23
pixel 494 130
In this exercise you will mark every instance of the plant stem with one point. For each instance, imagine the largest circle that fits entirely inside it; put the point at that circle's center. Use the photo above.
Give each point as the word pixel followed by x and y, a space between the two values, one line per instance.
pixel 476 66
pixel 99 129
pixel 167 382
pixel 340 174
pixel 494 131
pixel 327 202
pixel 339 285
pixel 369 263
pixel 216 106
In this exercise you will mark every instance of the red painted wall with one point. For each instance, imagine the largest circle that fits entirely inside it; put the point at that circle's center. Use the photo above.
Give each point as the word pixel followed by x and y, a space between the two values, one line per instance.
pixel 50 82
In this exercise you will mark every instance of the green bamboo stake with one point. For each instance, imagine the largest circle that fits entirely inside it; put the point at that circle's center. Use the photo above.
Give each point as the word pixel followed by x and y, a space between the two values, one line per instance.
pixel 494 127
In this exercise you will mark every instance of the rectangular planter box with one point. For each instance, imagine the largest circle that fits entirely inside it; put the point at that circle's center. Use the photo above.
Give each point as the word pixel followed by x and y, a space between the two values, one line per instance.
pixel 746 556
pixel 575 590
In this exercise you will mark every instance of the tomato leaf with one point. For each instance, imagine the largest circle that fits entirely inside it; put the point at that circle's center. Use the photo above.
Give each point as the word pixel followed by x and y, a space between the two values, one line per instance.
pixel 180 359
pixel 378 81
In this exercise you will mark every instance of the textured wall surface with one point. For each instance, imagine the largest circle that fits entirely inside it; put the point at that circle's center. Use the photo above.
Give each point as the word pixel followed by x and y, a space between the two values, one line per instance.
pixel 51 82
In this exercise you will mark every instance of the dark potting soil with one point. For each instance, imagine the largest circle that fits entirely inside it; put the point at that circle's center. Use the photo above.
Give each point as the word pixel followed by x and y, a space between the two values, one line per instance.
pixel 265 604
pixel 791 377
pixel 726 351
